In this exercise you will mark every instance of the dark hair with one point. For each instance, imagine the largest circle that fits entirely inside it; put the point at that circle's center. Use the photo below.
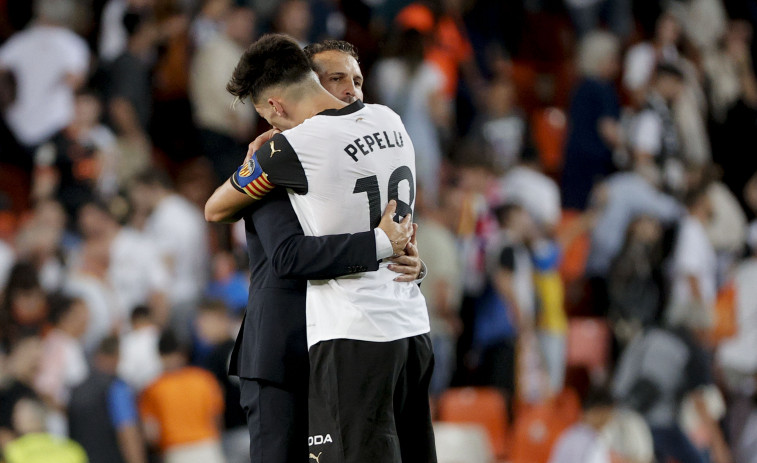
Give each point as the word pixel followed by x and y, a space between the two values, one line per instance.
pixel 131 21
pixel 110 345
pixel 274 59
pixel 505 212
pixel 670 70
pixel 694 195
pixel 169 343
pixel 153 177
pixel 598 397
pixel 140 312
pixel 329 45
pixel 60 306
pixel 213 306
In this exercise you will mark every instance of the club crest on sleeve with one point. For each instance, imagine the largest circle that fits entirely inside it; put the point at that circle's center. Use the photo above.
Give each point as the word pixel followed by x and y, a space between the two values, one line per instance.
pixel 246 171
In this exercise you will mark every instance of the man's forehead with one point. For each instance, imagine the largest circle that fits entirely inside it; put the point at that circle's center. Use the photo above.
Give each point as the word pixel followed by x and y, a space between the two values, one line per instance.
pixel 336 61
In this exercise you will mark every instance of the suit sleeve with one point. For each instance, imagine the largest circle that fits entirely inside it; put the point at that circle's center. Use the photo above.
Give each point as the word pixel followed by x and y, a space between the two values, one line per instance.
pixel 294 255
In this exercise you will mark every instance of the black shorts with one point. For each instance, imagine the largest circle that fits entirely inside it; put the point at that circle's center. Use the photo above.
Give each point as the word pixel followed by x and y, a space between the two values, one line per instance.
pixel 368 401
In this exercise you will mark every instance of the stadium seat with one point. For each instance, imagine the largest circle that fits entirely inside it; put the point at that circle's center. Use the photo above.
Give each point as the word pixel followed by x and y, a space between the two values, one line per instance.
pixel 480 405
pixel 576 251
pixel 588 343
pixel 549 127
pixel 537 428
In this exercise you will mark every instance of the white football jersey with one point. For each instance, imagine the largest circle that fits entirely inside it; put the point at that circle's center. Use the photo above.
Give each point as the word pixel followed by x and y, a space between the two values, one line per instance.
pixel 341 168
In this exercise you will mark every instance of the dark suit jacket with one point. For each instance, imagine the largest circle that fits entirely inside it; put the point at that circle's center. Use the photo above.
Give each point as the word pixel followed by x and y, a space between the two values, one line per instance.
pixel 272 343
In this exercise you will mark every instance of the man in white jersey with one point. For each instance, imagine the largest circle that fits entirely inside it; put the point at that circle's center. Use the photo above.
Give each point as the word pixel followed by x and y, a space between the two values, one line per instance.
pixel 371 357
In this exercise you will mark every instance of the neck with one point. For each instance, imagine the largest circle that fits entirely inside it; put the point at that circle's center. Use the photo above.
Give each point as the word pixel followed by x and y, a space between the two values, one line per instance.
pixel 320 100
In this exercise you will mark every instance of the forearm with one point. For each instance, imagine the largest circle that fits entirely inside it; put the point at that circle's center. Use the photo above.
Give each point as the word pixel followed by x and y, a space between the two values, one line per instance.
pixel 132 445
pixel 225 203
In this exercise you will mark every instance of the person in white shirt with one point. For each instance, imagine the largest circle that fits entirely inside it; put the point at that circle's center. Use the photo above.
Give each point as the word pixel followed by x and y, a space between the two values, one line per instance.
pixel 49 63
pixel 136 273
pixel 223 129
pixel 583 442
pixel 139 362
pixel 179 233
pixel 64 365
pixel 694 267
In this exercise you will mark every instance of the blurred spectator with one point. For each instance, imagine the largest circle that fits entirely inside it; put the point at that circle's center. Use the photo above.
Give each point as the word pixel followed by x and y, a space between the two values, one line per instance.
pixel 655 373
pixel 628 437
pixel 79 162
pixel 635 282
pixel 225 129
pixel 136 273
pixel 209 21
pixel 526 185
pixel 49 63
pixel 102 413
pixel 726 229
pixel 655 138
pixel 114 35
pixel 593 129
pixel 178 230
pixel 42 240
pixel 88 281
pixel 35 444
pixel 586 16
pixel 22 366
pixel 63 363
pixel 693 267
pixel 734 354
pixel 583 441
pixel 293 18
pixel 501 130
pixel 507 308
pixel 552 322
pixel 229 283
pixel 642 58
pixel 24 308
pixel 730 71
pixel 182 409
pixel 412 87
pixel 442 288
pixel 139 361
pixel 215 331
pixel 620 199
pixel 129 93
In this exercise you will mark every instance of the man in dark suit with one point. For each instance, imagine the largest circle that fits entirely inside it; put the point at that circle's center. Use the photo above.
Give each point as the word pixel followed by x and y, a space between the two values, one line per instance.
pixel 270 354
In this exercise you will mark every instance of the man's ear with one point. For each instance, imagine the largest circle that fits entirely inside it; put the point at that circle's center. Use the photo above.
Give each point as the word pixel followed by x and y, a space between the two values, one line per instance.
pixel 278 109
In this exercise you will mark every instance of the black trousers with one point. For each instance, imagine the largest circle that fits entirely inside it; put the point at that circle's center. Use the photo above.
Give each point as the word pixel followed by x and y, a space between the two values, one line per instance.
pixel 369 401
pixel 277 418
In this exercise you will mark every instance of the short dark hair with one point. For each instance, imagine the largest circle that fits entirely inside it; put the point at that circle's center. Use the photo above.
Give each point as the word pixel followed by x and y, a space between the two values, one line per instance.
pixel 140 312
pixel 670 70
pixel 504 212
pixel 330 45
pixel 110 345
pixel 169 343
pixel 60 305
pixel 213 306
pixel 274 59
pixel 598 397
pixel 153 177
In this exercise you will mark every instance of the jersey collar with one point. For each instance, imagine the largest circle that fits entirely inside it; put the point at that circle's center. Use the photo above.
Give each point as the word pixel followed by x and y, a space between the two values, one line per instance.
pixel 357 105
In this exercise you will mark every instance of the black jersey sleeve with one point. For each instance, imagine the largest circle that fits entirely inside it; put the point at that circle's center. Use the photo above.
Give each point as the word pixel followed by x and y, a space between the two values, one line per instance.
pixel 281 165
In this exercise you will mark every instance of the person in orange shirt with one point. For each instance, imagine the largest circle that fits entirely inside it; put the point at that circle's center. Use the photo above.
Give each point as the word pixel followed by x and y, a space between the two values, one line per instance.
pixel 182 409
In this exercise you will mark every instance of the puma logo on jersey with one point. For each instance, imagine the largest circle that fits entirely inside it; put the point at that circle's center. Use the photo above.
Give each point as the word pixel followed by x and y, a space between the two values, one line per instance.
pixel 359 119
pixel 316 458
pixel 319 440
pixel 273 149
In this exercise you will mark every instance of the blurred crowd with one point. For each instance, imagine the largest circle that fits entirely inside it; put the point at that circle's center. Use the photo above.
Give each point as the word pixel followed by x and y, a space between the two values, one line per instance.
pixel 587 198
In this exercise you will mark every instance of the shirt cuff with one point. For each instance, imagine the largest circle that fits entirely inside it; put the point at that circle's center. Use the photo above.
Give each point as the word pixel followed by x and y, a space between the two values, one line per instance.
pixel 422 275
pixel 383 245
